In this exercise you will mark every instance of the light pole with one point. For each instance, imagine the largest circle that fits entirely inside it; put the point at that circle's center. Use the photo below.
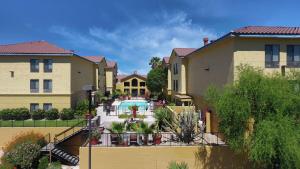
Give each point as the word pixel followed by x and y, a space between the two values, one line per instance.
pixel 89 89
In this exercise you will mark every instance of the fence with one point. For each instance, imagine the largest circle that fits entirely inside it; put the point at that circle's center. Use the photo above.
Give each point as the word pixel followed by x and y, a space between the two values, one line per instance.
pixel 161 139
pixel 40 123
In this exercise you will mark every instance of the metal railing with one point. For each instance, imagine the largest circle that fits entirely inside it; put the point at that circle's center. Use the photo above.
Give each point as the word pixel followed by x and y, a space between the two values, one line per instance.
pixel 70 131
pixel 40 123
pixel 161 139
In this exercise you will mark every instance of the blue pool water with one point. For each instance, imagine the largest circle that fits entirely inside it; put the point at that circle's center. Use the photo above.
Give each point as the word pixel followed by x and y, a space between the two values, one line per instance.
pixel 143 105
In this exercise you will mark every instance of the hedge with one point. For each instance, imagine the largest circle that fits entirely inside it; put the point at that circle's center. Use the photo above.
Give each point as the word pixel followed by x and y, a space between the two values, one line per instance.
pixel 66 114
pixel 52 114
pixel 38 114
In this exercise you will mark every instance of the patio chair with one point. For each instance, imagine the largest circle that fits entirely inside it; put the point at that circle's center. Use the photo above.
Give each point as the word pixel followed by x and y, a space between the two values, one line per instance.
pixel 114 138
pixel 133 138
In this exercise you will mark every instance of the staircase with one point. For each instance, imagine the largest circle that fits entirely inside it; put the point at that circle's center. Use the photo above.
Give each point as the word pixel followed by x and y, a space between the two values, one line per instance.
pixel 63 148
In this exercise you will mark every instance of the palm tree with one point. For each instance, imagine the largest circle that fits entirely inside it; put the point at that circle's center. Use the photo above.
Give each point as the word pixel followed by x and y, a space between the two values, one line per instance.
pixel 155 62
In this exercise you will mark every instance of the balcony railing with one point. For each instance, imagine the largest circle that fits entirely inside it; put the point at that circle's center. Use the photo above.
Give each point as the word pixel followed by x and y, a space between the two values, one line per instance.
pixel 34 90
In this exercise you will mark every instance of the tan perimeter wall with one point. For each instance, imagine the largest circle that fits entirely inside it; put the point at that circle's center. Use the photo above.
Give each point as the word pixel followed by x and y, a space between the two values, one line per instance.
pixel 8 133
pixel 206 157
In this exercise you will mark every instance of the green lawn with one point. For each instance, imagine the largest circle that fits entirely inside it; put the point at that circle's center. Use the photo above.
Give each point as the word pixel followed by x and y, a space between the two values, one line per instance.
pixel 40 123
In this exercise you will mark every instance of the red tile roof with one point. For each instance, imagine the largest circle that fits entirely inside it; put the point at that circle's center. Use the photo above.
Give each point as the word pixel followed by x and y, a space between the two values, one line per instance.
pixel 276 30
pixel 166 60
pixel 95 59
pixel 184 51
pixel 121 77
pixel 111 64
pixel 36 47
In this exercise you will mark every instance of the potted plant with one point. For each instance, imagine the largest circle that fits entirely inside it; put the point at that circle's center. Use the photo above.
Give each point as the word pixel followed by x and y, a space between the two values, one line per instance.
pixel 118 129
pixel 96 135
pixel 145 130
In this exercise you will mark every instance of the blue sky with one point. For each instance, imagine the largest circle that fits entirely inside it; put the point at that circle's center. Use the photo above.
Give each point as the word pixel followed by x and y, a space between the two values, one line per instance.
pixel 132 31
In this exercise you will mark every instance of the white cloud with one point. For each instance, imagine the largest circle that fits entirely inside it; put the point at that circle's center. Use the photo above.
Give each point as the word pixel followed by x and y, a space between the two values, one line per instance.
pixel 135 45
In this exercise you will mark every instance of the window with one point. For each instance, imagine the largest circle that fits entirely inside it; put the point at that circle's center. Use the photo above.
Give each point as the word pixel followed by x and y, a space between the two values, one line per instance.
pixel 34 86
pixel 175 85
pixel 134 82
pixel 34 107
pixel 142 92
pixel 34 65
pixel 12 74
pixel 175 68
pixel 48 65
pixel 143 84
pixel 293 55
pixel 47 106
pixel 126 84
pixel 272 56
pixel 47 86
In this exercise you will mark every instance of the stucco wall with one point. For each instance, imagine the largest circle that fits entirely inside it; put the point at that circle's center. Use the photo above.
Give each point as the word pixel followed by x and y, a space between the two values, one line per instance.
pixel 20 83
pixel 182 67
pixel 17 101
pixel 251 51
pixel 8 133
pixel 101 76
pixel 15 91
pixel 213 65
pixel 83 73
pixel 110 80
pixel 159 157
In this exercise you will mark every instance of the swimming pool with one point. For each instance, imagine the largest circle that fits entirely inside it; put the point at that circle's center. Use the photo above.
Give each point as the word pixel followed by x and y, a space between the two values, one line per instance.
pixel 142 104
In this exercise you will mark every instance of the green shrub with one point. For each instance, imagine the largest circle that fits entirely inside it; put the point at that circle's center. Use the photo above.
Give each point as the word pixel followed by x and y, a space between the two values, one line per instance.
pixel 82 107
pixel 52 114
pixel 55 165
pixel 43 162
pixel 6 114
pixel 6 166
pixel 66 114
pixel 31 137
pixel 38 114
pixel 174 165
pixel 20 114
pixel 24 155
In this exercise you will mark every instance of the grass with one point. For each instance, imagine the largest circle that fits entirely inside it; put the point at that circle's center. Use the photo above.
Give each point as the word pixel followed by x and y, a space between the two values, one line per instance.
pixel 127 116
pixel 40 123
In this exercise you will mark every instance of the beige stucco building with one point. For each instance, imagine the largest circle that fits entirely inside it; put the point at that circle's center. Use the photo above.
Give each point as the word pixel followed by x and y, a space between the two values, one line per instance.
pixel 42 75
pixel 272 49
pixel 111 72
pixel 133 85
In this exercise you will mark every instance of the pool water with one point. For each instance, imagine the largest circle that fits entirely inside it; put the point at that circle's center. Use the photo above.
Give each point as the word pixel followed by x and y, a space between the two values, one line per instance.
pixel 142 104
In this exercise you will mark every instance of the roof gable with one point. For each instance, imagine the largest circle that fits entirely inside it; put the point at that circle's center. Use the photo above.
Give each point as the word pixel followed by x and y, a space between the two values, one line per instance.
pixel 182 52
pixel 122 78
pixel 96 59
pixel 36 47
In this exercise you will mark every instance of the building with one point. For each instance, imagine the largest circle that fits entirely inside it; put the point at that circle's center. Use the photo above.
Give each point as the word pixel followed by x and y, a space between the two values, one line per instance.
pixel 100 72
pixel 41 75
pixel 168 88
pixel 134 84
pixel 178 66
pixel 272 49
pixel 111 72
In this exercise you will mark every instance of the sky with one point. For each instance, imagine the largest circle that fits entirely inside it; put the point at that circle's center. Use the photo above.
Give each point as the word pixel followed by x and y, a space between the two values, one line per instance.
pixel 132 31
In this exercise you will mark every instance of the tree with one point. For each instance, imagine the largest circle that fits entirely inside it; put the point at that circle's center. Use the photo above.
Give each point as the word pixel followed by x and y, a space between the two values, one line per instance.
pixel 155 62
pixel 272 103
pixel 156 80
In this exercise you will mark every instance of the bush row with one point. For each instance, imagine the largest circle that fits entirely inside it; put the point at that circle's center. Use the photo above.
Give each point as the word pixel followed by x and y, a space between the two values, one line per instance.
pixel 24 114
